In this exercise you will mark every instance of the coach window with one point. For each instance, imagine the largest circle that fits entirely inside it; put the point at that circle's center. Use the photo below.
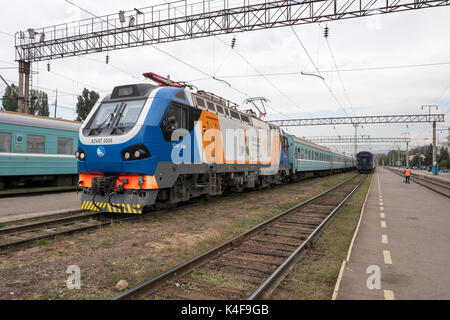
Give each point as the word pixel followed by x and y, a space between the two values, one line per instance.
pixel 5 142
pixel 302 153
pixel 35 144
pixel 65 146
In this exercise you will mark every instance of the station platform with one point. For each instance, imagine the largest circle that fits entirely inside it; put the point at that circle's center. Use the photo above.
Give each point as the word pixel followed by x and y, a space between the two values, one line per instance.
pixel 441 177
pixel 33 205
pixel 402 240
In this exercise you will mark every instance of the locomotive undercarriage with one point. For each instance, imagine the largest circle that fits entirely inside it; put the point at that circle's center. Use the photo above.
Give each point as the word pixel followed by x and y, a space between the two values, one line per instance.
pixel 190 186
pixel 182 185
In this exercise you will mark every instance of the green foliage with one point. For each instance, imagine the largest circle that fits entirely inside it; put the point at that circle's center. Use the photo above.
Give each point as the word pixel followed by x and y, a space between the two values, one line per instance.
pixel 428 161
pixel 85 103
pixel 39 101
pixel 444 164
pixel 443 155
pixel 10 97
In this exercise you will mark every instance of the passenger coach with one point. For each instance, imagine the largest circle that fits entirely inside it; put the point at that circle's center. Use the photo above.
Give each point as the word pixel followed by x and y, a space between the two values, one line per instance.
pixel 37 150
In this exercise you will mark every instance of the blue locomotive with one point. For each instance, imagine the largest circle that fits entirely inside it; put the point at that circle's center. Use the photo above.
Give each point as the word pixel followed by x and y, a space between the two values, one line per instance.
pixel 364 162
pixel 150 145
pixel 37 150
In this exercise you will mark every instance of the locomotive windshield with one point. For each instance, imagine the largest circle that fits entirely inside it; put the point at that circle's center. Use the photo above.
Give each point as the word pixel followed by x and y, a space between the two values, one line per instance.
pixel 120 114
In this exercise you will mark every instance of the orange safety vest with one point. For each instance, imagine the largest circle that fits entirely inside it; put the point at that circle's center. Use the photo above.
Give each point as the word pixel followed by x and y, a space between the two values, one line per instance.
pixel 407 173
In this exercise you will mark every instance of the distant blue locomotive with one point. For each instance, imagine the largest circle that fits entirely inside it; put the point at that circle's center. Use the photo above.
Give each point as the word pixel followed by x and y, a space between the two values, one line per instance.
pixel 364 162
pixel 37 150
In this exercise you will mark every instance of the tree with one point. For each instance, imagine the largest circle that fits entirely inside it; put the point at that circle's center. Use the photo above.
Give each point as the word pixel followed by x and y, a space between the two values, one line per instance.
pixel 428 161
pixel 443 154
pixel 85 103
pixel 39 101
pixel 10 98
pixel 444 164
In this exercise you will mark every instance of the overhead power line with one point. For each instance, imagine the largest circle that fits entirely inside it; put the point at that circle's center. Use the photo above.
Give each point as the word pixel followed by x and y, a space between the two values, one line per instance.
pixel 318 71
pixel 336 67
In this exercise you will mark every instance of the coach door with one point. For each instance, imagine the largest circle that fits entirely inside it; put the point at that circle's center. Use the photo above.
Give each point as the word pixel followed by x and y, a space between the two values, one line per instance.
pixel 210 138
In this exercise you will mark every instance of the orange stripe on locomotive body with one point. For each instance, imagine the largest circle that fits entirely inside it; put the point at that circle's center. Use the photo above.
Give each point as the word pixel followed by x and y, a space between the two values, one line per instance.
pixel 149 182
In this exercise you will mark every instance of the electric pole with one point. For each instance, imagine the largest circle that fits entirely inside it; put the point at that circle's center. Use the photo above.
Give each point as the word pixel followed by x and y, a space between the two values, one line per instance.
pixel 56 101
pixel 435 166
pixel 23 95
pixel 406 135
pixel 356 139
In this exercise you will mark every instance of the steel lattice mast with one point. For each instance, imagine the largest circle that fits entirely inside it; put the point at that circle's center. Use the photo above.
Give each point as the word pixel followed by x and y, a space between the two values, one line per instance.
pixel 412 118
pixel 360 140
pixel 188 19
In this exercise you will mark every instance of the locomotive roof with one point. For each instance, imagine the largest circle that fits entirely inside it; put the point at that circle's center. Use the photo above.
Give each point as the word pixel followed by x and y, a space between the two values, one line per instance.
pixel 24 119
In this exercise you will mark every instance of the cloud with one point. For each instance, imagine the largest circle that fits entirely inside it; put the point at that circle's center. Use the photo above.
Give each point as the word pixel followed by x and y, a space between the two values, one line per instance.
pixel 413 37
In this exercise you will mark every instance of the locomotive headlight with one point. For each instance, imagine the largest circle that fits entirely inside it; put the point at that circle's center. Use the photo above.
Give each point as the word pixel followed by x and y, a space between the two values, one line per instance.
pixel 80 155
pixel 136 152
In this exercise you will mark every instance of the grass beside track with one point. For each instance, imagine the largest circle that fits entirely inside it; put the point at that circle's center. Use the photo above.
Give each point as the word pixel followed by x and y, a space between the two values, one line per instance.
pixel 314 277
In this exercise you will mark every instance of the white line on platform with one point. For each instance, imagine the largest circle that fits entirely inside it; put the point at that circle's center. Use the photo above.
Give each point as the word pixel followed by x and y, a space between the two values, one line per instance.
pixel 382 208
pixel 381 203
pixel 389 295
pixel 383 224
pixel 382 215
pixel 384 238
pixel 387 257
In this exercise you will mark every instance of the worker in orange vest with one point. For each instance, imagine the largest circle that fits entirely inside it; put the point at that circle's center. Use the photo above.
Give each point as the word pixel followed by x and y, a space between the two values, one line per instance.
pixel 407 174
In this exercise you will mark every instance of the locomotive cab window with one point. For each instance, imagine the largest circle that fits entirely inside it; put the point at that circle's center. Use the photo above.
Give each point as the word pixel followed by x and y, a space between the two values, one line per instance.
pixel 5 142
pixel 180 95
pixel 116 115
pixel 176 118
pixel 35 144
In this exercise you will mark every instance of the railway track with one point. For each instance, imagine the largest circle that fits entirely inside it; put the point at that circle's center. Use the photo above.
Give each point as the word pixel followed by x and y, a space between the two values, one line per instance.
pixel 36 190
pixel 436 186
pixel 251 265
pixel 25 234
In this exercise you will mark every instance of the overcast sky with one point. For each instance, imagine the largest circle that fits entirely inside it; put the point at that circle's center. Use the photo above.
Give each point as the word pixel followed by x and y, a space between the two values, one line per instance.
pixel 400 39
